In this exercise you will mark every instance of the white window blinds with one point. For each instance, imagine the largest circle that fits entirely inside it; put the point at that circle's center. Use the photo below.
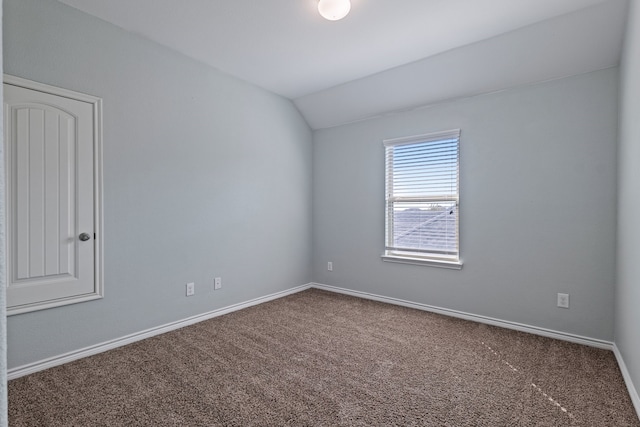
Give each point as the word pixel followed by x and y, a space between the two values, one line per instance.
pixel 422 216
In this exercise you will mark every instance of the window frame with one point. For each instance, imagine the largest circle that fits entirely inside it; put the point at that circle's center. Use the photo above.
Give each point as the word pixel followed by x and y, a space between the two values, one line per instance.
pixel 418 256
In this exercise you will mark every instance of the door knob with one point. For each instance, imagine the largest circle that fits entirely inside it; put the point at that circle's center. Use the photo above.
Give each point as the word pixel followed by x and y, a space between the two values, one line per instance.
pixel 84 237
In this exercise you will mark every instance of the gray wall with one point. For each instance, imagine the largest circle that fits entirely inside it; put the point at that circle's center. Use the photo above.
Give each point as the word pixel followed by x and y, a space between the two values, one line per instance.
pixel 538 200
pixel 628 279
pixel 204 175
pixel 3 317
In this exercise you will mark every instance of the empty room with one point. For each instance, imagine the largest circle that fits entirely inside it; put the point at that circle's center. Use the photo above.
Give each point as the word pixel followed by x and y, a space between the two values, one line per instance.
pixel 320 212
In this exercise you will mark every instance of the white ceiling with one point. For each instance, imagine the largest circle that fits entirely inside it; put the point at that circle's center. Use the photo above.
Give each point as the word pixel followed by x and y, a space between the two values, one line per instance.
pixel 583 41
pixel 284 45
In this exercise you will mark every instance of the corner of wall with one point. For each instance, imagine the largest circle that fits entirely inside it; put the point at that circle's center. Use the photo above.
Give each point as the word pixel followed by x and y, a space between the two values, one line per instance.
pixel 627 292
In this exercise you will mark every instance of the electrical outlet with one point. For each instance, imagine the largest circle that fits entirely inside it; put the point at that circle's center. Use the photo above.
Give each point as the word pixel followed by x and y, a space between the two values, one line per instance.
pixel 217 283
pixel 563 300
pixel 191 289
pixel 330 266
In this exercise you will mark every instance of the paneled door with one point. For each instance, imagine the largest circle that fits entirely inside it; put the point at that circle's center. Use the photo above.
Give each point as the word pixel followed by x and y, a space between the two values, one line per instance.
pixel 52 140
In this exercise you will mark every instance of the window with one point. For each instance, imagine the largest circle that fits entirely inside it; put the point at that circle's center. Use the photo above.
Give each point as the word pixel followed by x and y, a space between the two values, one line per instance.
pixel 422 187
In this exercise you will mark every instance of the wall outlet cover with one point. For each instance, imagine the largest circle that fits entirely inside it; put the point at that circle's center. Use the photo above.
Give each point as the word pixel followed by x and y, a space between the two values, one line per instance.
pixel 191 289
pixel 563 300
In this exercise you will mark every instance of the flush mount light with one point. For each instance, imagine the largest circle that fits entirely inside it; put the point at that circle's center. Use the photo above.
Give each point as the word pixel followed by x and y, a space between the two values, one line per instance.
pixel 334 10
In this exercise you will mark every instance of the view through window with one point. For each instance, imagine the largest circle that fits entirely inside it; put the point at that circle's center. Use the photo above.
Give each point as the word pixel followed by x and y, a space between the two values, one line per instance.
pixel 422 197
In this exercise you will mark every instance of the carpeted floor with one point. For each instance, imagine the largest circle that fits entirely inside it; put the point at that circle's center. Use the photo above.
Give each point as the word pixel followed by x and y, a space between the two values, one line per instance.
pixel 323 359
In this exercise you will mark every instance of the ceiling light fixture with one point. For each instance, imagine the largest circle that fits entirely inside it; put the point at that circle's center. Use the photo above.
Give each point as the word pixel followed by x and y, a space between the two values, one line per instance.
pixel 334 10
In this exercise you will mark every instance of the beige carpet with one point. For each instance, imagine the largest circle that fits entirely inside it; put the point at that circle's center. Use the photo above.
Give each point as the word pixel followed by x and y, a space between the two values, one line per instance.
pixel 323 359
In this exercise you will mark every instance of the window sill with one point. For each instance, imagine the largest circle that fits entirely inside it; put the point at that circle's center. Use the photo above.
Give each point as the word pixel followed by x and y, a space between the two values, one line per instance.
pixel 452 265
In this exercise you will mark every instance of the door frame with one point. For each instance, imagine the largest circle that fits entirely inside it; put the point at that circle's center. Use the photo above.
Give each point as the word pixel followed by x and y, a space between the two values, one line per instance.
pixel 98 285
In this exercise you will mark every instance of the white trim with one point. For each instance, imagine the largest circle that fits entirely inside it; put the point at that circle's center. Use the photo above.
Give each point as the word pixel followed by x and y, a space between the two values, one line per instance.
pixel 98 266
pixel 41 365
pixel 427 137
pixel 58 302
pixel 50 362
pixel 564 336
pixel 54 90
pixel 96 102
pixel 452 265
pixel 633 391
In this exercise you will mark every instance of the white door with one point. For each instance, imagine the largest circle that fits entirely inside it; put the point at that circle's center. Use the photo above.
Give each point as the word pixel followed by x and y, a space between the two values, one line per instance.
pixel 52 216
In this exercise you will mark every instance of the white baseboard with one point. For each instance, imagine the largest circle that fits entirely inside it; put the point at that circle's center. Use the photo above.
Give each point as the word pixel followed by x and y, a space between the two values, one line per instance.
pixel 128 339
pixel 633 391
pixel 593 342
pixel 41 365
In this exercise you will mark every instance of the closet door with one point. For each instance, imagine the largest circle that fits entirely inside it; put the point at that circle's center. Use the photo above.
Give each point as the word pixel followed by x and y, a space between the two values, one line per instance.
pixel 51 138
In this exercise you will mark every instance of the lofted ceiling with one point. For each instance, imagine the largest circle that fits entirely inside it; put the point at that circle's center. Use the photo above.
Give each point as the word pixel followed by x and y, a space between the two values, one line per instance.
pixel 386 55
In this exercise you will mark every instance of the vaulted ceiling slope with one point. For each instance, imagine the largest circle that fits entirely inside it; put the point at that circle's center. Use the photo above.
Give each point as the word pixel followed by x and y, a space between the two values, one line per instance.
pixel 583 41
pixel 386 55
